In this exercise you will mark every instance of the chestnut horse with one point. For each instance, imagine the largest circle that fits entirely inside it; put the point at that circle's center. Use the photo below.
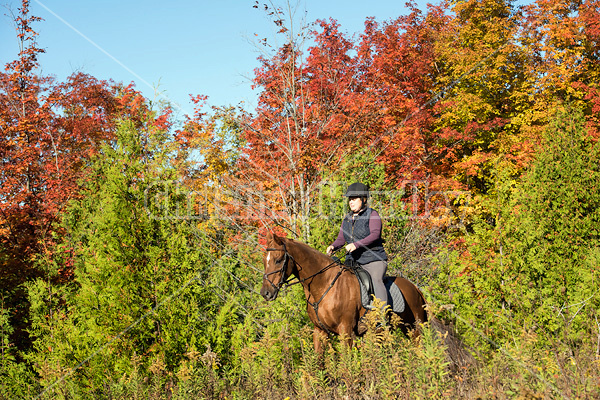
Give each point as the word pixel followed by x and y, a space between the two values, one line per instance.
pixel 332 290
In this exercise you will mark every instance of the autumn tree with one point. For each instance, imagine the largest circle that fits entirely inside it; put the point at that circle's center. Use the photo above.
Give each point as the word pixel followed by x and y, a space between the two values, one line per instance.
pixel 535 267
pixel 484 91
pixel 305 121
pixel 50 130
pixel 505 70
pixel 398 72
pixel 562 38
pixel 27 152
pixel 137 273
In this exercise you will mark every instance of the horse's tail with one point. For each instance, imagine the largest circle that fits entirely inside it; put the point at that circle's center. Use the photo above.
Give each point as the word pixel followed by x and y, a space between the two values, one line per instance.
pixel 424 303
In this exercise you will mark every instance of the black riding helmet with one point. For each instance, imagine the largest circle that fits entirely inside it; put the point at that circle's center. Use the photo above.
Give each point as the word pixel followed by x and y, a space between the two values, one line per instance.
pixel 357 189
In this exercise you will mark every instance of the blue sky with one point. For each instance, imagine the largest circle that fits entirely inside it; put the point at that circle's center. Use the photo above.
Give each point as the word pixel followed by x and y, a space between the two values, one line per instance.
pixel 180 46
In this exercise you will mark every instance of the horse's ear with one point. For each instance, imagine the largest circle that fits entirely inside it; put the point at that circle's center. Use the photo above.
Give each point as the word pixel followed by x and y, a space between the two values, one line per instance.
pixel 273 238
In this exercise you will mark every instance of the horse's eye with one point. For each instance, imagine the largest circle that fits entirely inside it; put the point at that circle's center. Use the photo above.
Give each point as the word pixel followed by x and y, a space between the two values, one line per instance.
pixel 279 261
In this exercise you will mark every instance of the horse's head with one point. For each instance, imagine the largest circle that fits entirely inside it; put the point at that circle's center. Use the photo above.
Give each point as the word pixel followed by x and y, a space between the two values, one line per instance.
pixel 278 267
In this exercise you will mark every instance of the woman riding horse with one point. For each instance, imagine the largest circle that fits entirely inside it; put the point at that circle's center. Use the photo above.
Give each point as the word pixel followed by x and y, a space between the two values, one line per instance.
pixel 332 291
pixel 361 233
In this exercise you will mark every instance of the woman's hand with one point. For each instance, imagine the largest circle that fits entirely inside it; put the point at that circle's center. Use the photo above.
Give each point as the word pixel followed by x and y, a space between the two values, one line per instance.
pixel 350 247
pixel 329 250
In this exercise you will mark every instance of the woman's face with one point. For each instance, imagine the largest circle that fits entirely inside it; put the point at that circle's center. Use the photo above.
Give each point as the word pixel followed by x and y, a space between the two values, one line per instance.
pixel 355 204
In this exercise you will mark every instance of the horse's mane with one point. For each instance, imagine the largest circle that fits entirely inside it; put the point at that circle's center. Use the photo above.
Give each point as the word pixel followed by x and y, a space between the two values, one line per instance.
pixel 308 248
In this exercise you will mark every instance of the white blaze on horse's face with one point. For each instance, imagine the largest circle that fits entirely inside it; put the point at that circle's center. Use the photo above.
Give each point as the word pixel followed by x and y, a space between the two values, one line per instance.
pixel 272 277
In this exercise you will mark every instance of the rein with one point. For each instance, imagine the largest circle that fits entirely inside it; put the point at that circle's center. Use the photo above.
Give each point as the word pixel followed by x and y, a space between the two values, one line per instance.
pixel 286 281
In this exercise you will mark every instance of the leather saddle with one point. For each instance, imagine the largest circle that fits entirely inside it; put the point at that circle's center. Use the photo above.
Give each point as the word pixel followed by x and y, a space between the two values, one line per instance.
pixel 367 290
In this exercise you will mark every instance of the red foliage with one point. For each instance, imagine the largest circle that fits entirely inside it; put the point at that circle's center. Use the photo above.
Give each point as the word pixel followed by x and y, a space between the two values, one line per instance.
pixel 398 75
pixel 49 132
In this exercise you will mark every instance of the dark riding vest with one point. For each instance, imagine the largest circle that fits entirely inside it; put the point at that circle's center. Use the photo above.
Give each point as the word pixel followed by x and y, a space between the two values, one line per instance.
pixel 357 228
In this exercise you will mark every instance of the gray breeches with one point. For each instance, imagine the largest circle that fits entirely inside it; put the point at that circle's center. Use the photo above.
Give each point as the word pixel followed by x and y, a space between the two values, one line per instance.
pixel 377 271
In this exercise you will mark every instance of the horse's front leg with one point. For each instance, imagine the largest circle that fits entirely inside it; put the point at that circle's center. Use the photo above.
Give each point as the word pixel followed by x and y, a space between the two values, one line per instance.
pixel 347 334
pixel 319 338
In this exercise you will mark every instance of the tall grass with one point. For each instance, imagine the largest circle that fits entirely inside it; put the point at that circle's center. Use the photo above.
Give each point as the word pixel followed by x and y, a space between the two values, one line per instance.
pixel 382 364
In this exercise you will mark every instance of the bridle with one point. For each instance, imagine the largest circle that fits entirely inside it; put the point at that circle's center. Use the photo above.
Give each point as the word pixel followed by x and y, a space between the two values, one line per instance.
pixel 286 258
pixel 286 280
